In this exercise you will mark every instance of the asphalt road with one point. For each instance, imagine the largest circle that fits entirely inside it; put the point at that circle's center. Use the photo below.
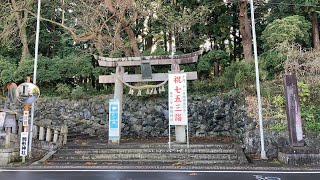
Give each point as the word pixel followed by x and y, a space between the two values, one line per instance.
pixel 153 175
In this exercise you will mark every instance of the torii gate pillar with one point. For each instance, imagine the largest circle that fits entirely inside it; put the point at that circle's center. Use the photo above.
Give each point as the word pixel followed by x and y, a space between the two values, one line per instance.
pixel 118 94
pixel 121 77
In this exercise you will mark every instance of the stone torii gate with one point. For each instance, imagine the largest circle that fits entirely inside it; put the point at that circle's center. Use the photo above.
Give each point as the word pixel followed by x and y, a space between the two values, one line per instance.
pixel 120 77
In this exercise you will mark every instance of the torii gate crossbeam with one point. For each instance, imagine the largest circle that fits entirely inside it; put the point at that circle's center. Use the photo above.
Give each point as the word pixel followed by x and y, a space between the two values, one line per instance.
pixel 120 76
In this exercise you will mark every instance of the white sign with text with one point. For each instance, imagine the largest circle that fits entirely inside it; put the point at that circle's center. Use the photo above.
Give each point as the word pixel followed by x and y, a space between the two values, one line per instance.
pixel 24 144
pixel 25 121
pixel 178 110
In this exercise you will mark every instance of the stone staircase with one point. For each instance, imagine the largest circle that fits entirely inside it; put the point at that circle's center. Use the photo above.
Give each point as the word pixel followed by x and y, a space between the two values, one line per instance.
pixel 100 153
pixel 78 135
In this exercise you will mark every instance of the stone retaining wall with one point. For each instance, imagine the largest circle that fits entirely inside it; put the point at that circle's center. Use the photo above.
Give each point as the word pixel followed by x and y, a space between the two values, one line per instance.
pixel 145 117
pixel 148 117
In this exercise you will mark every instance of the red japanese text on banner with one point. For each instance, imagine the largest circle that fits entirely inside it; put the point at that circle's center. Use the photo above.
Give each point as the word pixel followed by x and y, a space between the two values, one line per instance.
pixel 178 109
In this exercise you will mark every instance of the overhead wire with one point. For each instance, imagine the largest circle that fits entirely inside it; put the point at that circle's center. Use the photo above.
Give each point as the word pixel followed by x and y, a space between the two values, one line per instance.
pixel 288 4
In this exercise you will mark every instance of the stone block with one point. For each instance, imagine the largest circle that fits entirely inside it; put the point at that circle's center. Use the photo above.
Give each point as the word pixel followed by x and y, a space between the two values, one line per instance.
pixel 8 155
pixel 299 155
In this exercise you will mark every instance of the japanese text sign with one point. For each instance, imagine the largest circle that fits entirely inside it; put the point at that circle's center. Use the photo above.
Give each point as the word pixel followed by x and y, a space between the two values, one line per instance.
pixel 25 120
pixel 114 121
pixel 24 144
pixel 178 110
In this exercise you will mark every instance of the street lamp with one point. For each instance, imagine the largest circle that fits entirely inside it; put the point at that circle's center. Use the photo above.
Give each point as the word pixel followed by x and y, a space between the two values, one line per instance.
pixel 263 152
pixel 34 74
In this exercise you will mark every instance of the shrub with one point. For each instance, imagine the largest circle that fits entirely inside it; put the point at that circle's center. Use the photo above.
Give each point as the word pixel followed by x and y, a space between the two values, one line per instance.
pixel 78 93
pixel 89 90
pixel 279 103
pixel 311 116
pixel 74 66
pixel 205 65
pixel 240 74
pixel 25 68
pixel 63 90
pixel 303 63
pixel 303 91
pixel 310 110
pixel 159 51
pixel 204 68
pixel 7 75
pixel 272 62
pixel 291 29
pixel 47 69
pixel 277 127
pixel 205 86
pixel 7 70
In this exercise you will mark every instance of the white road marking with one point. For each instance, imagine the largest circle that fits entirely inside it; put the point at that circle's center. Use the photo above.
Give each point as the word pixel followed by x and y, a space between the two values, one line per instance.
pixel 259 177
pixel 155 171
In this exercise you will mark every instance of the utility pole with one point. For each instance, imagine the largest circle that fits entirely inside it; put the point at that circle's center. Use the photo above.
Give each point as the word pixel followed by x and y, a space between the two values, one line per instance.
pixel 263 152
pixel 34 75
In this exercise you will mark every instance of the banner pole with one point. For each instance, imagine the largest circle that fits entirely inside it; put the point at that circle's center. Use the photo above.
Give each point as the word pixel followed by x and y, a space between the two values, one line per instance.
pixel 188 135
pixel 169 136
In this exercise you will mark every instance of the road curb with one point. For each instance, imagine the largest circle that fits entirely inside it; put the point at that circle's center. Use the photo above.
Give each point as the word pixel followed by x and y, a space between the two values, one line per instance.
pixel 226 168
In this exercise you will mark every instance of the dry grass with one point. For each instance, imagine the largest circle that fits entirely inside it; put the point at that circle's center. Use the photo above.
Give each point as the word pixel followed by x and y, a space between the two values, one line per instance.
pixel 268 109
pixel 252 106
pixel 304 63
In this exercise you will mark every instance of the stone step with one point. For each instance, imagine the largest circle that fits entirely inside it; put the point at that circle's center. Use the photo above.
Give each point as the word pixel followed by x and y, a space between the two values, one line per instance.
pixel 79 136
pixel 149 156
pixel 75 135
pixel 146 146
pixel 136 151
pixel 140 162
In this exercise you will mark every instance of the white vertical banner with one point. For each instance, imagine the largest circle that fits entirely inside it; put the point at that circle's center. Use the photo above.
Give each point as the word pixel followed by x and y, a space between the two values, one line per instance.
pixel 2 118
pixel 24 144
pixel 178 109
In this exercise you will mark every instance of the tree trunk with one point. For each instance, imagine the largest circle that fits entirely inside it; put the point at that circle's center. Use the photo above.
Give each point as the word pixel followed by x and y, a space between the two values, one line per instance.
pixel 22 23
pixel 149 38
pixel 149 43
pixel 215 44
pixel 170 41
pixel 315 31
pixel 133 42
pixel 216 69
pixel 245 31
pixel 24 40
pixel 62 13
pixel 165 41
pixel 234 35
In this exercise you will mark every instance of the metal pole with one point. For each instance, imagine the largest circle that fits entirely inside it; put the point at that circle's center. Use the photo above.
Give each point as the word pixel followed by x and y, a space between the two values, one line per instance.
pixel 172 54
pixel 188 136
pixel 263 152
pixel 169 137
pixel 34 74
